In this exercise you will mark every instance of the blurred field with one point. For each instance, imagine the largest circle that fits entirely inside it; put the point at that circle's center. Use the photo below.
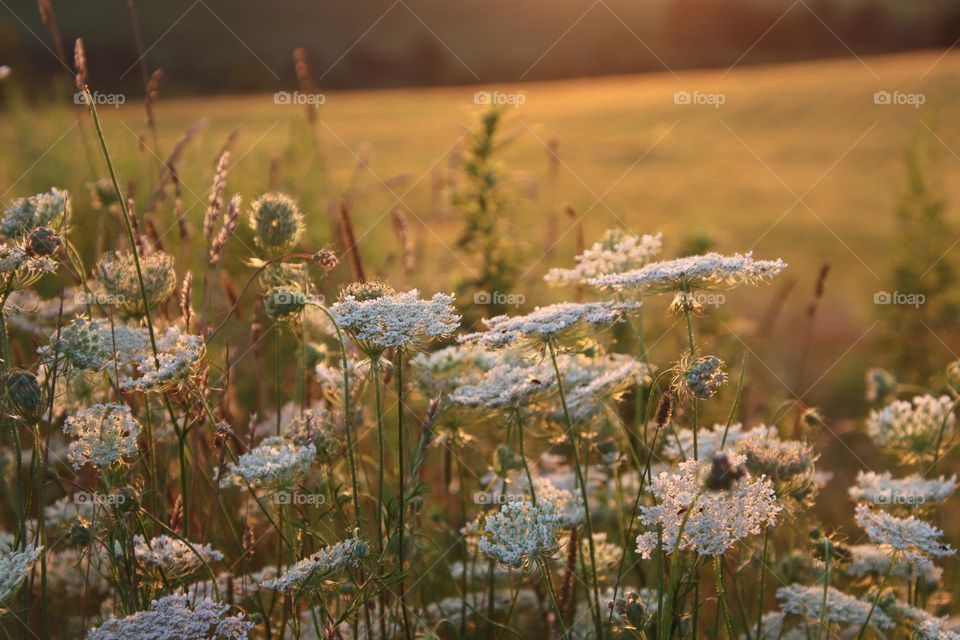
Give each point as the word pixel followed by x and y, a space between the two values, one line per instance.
pixel 628 155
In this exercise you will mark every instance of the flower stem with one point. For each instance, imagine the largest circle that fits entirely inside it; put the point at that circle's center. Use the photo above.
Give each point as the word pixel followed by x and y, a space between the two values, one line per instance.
pixel 401 472
pixel 722 596
pixel 575 443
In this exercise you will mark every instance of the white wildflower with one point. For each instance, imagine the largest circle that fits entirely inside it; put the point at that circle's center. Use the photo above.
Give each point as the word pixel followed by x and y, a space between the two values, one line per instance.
pixel 841 608
pixel 507 386
pixel 14 567
pixel 105 434
pixel 174 557
pixel 42 210
pixel 178 355
pixel 869 559
pixel 706 272
pixel 176 617
pixel 711 441
pixel 883 490
pixel 274 464
pixel 557 322
pixel 712 521
pixel 394 320
pixel 521 533
pixel 592 382
pixel 91 345
pixel 117 276
pixel 615 253
pixel 924 625
pixel 913 429
pixel 311 571
pixel 911 536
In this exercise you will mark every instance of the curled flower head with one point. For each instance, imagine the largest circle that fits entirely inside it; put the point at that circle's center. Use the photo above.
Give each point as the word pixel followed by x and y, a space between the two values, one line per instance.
pixel 881 384
pixel 42 210
pixel 520 533
pixel 285 301
pixel 275 464
pixel 913 429
pixel 176 616
pixel 911 536
pixel 704 376
pixel 710 272
pixel 378 319
pixel 24 393
pixel 562 324
pixel 91 345
pixel 711 521
pixel 276 221
pixel 105 435
pixel 117 275
pixel 616 252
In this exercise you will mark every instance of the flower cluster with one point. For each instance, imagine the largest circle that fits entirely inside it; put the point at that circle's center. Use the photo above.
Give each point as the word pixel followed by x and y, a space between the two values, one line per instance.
pixel 910 536
pixel 521 533
pixel 275 463
pixel 557 323
pixel 14 567
pixel 883 490
pixel 310 572
pixel 841 608
pixel 913 428
pixel 176 558
pixel 708 522
pixel 390 320
pixel 708 272
pixel 176 616
pixel 105 435
pixel 117 275
pixel 616 252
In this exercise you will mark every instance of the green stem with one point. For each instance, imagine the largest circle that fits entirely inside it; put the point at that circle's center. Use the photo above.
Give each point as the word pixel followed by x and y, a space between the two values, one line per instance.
pixel 377 381
pixel 575 443
pixel 722 596
pixel 826 590
pixel 401 472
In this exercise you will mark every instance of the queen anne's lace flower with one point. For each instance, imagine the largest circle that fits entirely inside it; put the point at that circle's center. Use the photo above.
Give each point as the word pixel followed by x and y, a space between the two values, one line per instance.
pixel 592 382
pixel 913 429
pixel 842 609
pixel 276 463
pixel 615 253
pixel 521 533
pixel 554 323
pixel 707 272
pixel 174 557
pixel 506 386
pixel 712 521
pixel 395 320
pixel 176 617
pixel 444 370
pixel 105 434
pixel 923 625
pixel 117 275
pixel 869 559
pixel 178 354
pixel 14 566
pixel 42 210
pixel 911 536
pixel 310 572
pixel 710 441
pixel 883 490
pixel 91 345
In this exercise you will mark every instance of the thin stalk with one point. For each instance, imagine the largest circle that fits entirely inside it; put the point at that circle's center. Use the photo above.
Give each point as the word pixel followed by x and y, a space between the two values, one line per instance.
pixel 377 381
pixel 883 582
pixel 523 455
pixel 722 597
pixel 826 589
pixel 547 580
pixel 763 577
pixel 401 472
pixel 575 443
